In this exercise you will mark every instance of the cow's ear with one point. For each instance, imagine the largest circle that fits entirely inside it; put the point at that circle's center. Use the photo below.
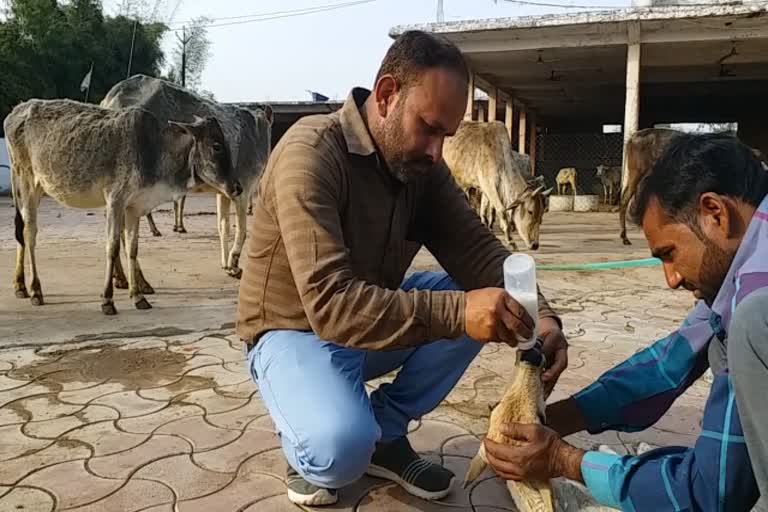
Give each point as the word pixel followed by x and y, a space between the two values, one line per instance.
pixel 192 129
pixel 517 202
pixel 180 127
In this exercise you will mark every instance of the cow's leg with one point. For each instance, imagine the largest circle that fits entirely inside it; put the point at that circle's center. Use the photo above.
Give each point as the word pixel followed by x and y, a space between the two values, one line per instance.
pixel 19 285
pixel 30 239
pixel 132 248
pixel 625 198
pixel 115 214
pixel 233 263
pixel 222 215
pixel 152 226
pixel 119 280
pixel 178 215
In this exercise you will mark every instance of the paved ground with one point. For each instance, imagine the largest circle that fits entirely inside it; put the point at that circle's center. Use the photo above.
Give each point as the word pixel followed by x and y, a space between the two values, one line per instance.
pixel 155 411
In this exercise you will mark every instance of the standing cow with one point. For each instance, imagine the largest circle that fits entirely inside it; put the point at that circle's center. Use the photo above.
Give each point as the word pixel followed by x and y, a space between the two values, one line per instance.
pixel 248 134
pixel 610 178
pixel 566 177
pixel 129 161
pixel 480 157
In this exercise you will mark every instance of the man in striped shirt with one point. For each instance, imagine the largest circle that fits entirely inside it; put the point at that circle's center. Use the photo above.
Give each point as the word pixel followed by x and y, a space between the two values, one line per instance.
pixel 704 211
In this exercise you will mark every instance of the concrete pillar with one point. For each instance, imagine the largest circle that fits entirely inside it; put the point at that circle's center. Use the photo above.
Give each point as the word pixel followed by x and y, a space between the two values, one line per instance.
pixel 470 98
pixel 632 99
pixel 532 143
pixel 522 134
pixel 509 118
pixel 493 101
pixel 481 113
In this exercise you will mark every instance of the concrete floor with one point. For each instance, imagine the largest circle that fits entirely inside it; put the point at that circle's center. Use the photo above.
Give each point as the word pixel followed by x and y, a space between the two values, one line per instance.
pixel 154 410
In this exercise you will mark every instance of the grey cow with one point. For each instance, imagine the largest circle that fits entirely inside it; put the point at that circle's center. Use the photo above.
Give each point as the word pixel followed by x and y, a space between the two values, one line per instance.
pixel 248 135
pixel 128 161
pixel 610 177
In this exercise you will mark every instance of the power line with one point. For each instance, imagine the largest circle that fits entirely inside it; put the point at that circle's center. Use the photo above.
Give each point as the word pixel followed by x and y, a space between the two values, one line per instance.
pixel 573 6
pixel 253 18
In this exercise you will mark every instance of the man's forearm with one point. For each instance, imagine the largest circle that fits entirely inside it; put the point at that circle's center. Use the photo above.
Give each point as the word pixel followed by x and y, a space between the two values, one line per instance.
pixel 567 461
pixel 565 417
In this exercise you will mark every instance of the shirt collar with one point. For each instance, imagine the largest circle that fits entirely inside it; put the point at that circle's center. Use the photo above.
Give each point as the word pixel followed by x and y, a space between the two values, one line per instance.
pixel 356 134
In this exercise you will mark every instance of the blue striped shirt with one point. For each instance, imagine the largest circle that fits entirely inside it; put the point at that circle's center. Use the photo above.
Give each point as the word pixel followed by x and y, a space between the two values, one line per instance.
pixel 716 474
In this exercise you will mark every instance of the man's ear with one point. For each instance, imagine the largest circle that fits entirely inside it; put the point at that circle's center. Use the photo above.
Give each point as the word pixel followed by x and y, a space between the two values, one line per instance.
pixel 386 94
pixel 715 216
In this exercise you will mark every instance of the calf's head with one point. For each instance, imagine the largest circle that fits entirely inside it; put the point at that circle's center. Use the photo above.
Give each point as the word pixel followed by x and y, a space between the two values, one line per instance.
pixel 527 211
pixel 209 157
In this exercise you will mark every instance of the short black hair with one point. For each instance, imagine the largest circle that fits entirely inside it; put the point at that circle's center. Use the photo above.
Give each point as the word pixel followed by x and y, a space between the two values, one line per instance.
pixel 693 164
pixel 415 51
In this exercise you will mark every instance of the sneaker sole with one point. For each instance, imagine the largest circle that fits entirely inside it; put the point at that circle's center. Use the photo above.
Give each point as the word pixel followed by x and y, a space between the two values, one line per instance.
pixel 386 474
pixel 318 499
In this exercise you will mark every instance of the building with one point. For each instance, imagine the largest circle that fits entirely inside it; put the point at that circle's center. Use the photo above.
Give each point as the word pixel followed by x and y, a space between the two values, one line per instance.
pixel 570 75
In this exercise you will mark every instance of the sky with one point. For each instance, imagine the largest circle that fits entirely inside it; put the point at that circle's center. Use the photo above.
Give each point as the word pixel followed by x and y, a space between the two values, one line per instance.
pixel 328 52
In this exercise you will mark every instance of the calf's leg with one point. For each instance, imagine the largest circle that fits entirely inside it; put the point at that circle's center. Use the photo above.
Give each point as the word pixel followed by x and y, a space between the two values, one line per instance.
pixel 152 226
pixel 178 215
pixel 115 215
pixel 233 262
pixel 222 215
pixel 132 248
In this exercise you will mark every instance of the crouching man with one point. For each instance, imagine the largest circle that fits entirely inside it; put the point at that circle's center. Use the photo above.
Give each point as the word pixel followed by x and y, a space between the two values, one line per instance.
pixel 345 203
pixel 704 211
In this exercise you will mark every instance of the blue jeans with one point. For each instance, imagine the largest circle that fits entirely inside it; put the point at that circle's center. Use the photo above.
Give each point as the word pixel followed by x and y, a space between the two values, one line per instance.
pixel 315 393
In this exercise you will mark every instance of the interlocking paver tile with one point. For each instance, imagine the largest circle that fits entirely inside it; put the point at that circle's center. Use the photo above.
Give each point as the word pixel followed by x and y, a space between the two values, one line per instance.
pixel 227 458
pixel 84 396
pixel 5 366
pixel 105 439
pixel 11 471
pixel 147 424
pixel 26 498
pixel 120 465
pixel 212 402
pixel 491 491
pixel 31 389
pixel 200 434
pixel 135 495
pixel 72 484
pixel 432 434
pixel 13 442
pixel 185 478
pixel 179 386
pixel 462 446
pixel 220 375
pixel 53 428
pixel 42 408
pixel 280 503
pixel 129 404
pixel 392 498
pixel 245 389
pixel 9 416
pixel 9 383
pixel 249 487
pixel 270 461
pixel 239 418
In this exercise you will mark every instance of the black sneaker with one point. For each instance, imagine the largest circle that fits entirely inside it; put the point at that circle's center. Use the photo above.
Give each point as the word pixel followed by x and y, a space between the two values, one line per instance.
pixel 301 492
pixel 396 461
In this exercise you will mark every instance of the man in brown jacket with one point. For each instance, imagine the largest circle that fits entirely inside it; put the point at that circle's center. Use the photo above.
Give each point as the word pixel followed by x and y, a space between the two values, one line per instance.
pixel 344 205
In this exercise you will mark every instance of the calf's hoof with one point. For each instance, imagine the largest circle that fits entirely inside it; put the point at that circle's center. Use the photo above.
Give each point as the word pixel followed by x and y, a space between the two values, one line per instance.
pixel 120 283
pixel 146 289
pixel 108 309
pixel 236 272
pixel 143 304
pixel 626 241
pixel 37 300
pixel 22 294
pixel 182 230
pixel 157 233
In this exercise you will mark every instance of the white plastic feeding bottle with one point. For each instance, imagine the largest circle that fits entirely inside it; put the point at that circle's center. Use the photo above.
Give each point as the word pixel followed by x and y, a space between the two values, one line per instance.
pixel 520 284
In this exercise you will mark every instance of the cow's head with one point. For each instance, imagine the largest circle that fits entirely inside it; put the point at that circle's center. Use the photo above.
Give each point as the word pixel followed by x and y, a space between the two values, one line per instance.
pixel 527 211
pixel 209 156
pixel 601 170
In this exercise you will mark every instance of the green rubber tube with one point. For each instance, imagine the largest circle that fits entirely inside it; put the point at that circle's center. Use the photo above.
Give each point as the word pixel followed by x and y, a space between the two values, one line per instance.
pixel 604 265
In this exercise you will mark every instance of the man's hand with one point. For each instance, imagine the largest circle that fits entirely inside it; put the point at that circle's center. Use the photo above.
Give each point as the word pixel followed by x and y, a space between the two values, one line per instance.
pixel 555 349
pixel 491 314
pixel 543 456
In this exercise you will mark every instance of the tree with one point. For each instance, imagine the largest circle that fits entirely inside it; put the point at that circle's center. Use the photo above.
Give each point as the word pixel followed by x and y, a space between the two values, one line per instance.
pixel 46 48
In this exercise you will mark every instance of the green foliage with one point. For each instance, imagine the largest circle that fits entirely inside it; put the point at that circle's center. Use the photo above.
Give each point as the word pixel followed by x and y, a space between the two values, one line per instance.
pixel 47 47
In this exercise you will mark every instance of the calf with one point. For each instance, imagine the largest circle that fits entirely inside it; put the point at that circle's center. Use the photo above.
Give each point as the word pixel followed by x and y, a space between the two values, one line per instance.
pixel 128 161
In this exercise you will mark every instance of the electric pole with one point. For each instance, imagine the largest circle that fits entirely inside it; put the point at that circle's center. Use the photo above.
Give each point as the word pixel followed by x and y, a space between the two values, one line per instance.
pixel 440 13
pixel 184 40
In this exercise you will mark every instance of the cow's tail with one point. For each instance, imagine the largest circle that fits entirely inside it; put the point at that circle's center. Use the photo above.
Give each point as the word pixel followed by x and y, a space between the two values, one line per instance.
pixel 18 221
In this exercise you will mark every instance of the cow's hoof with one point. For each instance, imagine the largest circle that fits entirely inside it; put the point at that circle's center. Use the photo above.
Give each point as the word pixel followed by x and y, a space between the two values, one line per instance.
pixel 157 233
pixel 143 304
pixel 182 230
pixel 22 294
pixel 175 229
pixel 108 309
pixel 626 242
pixel 146 289
pixel 37 300
pixel 120 284
pixel 237 273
